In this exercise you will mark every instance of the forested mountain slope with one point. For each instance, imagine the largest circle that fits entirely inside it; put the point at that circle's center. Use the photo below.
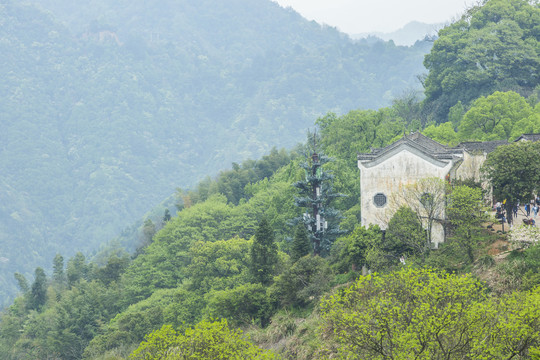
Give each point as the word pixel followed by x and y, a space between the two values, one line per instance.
pixel 107 107
pixel 232 252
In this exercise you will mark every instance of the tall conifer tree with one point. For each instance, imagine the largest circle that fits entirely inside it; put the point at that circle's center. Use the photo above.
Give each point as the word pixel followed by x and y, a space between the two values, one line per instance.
pixel 38 292
pixel 301 246
pixel 263 253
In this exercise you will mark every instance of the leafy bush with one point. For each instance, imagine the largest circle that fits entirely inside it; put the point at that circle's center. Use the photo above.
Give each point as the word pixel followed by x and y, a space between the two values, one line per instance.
pixel 240 305
pixel 424 314
pixel 304 282
pixel 207 340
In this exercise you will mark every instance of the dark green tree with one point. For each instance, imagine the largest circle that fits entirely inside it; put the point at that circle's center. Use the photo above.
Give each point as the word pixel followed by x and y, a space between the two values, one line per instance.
pixel 263 253
pixel 22 282
pixel 241 305
pixel 301 246
pixel 166 216
pixel 514 173
pixel 465 210
pixel 304 282
pixel 405 235
pixel 59 276
pixel 38 292
pixel 77 269
pixel 148 231
pixel 357 249
pixel 112 271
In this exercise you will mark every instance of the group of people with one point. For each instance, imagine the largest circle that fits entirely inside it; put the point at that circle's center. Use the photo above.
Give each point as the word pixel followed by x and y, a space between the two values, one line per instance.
pixel 532 206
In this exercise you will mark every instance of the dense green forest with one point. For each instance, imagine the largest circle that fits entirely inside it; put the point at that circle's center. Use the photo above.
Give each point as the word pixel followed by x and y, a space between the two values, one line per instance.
pixel 109 106
pixel 231 275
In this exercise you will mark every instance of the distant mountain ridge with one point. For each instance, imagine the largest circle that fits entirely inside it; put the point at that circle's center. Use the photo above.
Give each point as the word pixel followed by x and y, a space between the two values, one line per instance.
pixel 407 35
pixel 107 107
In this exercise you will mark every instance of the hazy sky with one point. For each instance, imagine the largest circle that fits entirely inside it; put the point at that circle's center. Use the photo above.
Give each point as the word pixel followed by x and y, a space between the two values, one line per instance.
pixel 357 16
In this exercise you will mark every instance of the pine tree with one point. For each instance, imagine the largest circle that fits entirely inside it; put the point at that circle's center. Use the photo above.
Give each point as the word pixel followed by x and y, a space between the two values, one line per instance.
pixel 166 216
pixel 38 292
pixel 264 256
pixel 301 245
pixel 316 195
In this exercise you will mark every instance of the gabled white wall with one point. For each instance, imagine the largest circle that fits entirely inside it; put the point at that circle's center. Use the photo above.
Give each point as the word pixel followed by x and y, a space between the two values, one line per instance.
pixel 404 165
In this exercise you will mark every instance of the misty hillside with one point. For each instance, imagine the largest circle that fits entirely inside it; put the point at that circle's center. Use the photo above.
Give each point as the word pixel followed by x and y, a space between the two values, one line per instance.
pixel 108 107
pixel 407 35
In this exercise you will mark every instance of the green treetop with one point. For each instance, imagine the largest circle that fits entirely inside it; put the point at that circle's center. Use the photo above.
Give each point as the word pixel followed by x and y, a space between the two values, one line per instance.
pixel 493 46
pixel 263 253
pixel 514 172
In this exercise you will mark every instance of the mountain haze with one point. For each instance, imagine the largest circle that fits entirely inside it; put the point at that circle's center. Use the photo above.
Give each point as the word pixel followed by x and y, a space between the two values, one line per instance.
pixel 107 107
pixel 407 35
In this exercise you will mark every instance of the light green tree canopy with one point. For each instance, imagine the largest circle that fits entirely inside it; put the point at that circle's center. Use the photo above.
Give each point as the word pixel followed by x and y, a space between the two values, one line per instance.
pixel 425 314
pixel 207 340
pixel 494 46
pixel 498 116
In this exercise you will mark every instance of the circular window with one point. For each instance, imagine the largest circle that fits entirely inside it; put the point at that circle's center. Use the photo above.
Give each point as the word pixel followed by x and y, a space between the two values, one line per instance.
pixel 379 199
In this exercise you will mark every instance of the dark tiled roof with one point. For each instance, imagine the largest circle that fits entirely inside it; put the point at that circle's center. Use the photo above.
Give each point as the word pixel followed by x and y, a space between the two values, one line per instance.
pixel 529 137
pixel 438 151
pixel 485 146
pixel 418 141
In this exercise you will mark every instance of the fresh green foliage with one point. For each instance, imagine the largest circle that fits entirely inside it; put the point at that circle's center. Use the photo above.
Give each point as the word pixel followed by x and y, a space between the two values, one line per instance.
pixel 112 271
pixel 77 269
pixel 355 250
pixel 523 266
pixel 207 340
pixel 219 265
pixel 233 183
pixel 241 305
pixel 514 172
pixel 425 314
pixel 166 306
pixel 466 212
pixel 197 265
pixel 493 47
pixel 59 276
pixel 443 133
pixel 107 107
pixel 499 116
pixel 22 282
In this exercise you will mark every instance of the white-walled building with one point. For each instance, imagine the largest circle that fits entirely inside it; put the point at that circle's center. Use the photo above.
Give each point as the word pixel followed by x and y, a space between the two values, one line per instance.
pixel 384 172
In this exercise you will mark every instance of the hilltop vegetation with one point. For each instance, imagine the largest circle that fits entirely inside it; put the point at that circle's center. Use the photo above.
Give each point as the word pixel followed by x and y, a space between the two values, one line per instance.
pixel 491 48
pixel 107 107
pixel 231 252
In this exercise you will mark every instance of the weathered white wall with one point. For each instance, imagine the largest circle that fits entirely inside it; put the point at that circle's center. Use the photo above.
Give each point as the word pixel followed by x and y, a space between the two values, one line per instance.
pixel 386 175
pixel 470 167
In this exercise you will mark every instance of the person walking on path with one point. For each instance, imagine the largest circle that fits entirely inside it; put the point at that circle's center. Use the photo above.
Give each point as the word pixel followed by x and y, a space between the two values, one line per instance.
pixel 528 209
pixel 535 210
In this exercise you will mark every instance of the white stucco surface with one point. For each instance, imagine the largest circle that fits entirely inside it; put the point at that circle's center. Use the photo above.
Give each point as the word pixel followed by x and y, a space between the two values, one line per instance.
pixel 387 174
